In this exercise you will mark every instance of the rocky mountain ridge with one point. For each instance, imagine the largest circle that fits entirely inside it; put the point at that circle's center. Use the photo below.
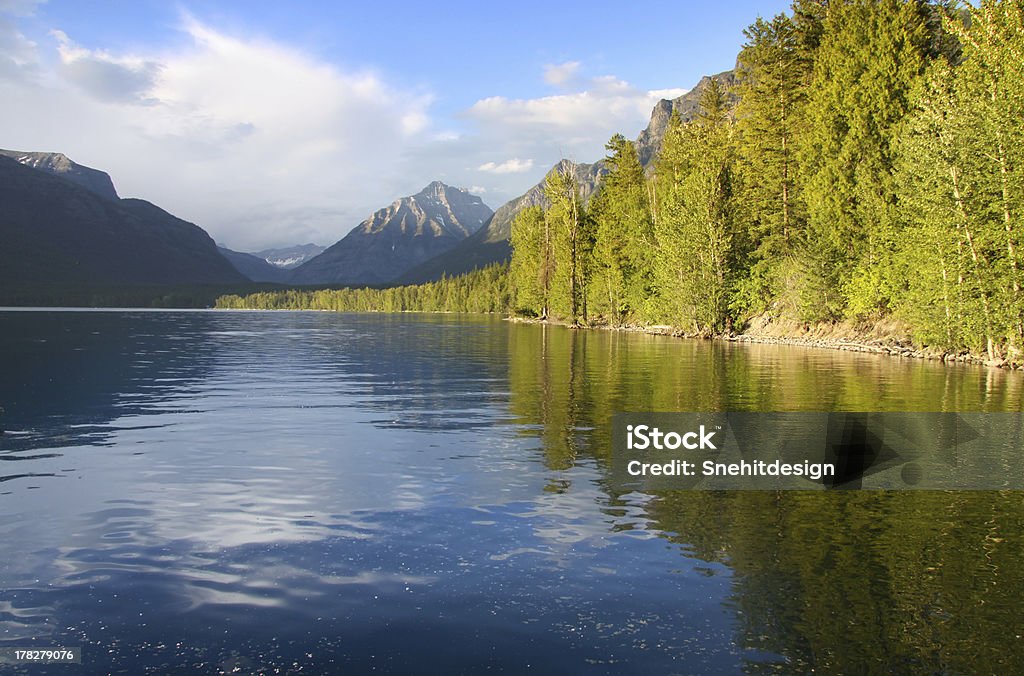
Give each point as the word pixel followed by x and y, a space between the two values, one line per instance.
pixel 290 257
pixel 490 243
pixel 398 237
pixel 58 164
pixel 254 267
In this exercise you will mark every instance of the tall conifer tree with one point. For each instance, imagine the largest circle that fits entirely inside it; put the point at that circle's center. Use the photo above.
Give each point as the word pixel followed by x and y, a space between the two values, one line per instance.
pixel 695 226
pixel 624 235
pixel 532 265
pixel 772 82
pixel 871 56
pixel 570 242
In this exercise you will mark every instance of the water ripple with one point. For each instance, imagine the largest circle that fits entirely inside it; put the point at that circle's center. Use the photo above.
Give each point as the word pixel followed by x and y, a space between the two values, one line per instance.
pixel 261 491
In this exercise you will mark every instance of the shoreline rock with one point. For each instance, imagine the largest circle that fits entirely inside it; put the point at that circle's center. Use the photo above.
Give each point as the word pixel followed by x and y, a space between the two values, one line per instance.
pixel 888 343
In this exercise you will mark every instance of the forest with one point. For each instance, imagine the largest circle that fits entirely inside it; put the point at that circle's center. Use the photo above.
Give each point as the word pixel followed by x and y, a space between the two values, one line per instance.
pixel 866 166
pixel 484 290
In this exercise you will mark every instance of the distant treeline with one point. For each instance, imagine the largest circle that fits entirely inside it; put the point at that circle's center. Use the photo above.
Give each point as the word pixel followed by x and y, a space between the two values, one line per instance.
pixel 484 290
pixel 156 296
pixel 871 168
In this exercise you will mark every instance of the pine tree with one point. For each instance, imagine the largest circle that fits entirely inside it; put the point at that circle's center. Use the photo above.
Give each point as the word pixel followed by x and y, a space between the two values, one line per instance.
pixel 772 92
pixel 532 264
pixel 695 228
pixel 772 83
pixel 624 235
pixel 871 56
pixel 569 237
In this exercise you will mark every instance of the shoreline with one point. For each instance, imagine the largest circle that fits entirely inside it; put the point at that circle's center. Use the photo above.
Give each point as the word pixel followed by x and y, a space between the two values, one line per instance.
pixel 883 339
pixel 879 340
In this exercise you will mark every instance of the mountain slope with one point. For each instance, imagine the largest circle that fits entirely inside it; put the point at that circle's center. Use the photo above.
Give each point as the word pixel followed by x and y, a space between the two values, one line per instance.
pixel 58 164
pixel 491 245
pixel 396 238
pixel 54 230
pixel 648 143
pixel 255 268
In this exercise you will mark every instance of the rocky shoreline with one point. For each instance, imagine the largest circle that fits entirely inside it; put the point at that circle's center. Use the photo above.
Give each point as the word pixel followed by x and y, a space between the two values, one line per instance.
pixel 872 346
pixel 885 340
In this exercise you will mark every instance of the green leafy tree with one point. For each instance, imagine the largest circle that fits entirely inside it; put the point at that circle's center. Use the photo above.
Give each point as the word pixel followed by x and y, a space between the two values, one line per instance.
pixel 962 163
pixel 624 235
pixel 991 96
pixel 695 227
pixel 532 264
pixel 570 242
pixel 871 56
pixel 772 83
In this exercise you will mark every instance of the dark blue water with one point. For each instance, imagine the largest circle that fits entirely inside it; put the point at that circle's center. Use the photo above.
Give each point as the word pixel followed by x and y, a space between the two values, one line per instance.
pixel 314 492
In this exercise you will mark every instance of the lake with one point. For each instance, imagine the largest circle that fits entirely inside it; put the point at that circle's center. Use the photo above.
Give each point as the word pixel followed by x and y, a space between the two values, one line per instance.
pixel 429 493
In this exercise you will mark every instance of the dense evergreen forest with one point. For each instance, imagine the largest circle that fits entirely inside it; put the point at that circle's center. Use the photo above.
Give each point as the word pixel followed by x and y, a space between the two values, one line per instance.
pixel 484 290
pixel 56 294
pixel 867 165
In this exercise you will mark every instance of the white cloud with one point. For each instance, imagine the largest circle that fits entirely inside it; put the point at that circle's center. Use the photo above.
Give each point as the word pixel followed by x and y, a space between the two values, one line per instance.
pixel 447 135
pixel 561 74
pixel 18 54
pixel 20 7
pixel 607 104
pixel 669 94
pixel 255 141
pixel 512 166
pixel 477 189
pixel 103 75
pixel 572 124
pixel 265 145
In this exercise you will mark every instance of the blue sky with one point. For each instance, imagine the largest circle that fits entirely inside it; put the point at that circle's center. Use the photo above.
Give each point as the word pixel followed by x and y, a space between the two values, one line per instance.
pixel 270 123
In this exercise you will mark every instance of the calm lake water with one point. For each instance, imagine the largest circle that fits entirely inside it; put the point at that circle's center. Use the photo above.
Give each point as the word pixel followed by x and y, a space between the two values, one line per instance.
pixel 427 493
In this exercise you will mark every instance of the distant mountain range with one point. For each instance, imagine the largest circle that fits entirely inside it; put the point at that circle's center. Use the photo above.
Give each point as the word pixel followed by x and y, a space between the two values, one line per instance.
pixel 398 237
pixel 64 223
pixel 290 257
pixel 383 248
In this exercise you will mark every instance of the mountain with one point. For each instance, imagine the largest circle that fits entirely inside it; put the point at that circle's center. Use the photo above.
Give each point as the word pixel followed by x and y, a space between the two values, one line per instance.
pixel 290 257
pixel 398 237
pixel 491 245
pixel 60 225
pixel 58 164
pixel 648 143
pixel 254 267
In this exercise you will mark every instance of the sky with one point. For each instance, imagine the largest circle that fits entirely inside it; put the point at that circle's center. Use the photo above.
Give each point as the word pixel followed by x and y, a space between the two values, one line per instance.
pixel 273 123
